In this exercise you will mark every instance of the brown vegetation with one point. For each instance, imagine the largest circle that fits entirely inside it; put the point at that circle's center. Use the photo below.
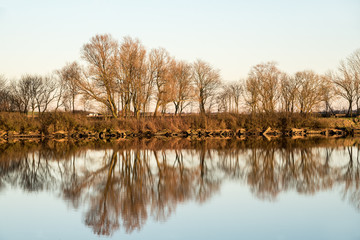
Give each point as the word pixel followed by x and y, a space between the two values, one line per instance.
pixel 223 124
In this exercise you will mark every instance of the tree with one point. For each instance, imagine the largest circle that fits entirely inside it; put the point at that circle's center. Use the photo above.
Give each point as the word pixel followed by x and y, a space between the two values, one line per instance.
pixel 182 87
pixel 3 82
pixel 229 97
pixel 353 62
pixel 223 99
pixel 288 92
pixel 206 81
pixel 310 91
pixel 235 90
pixel 99 81
pixel 69 76
pixel 45 94
pixel 6 98
pixel 345 85
pixel 329 93
pixel 21 91
pixel 159 61
pixel 132 75
pixel 33 92
pixel 251 94
pixel 264 80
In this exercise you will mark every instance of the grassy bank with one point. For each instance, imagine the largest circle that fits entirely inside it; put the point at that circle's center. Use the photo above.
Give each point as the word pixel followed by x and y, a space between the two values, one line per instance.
pixel 50 123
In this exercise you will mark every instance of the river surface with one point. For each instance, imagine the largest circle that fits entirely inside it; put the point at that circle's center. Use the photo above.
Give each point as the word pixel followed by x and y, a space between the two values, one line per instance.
pixel 181 189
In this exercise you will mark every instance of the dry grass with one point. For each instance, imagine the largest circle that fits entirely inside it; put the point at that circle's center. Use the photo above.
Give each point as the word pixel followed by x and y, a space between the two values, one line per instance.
pixel 52 122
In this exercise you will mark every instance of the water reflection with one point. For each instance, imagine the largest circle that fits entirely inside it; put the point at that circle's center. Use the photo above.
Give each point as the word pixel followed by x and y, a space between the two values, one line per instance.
pixel 124 184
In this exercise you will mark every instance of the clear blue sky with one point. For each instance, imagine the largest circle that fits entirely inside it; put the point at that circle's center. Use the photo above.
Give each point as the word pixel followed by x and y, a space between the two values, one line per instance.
pixel 40 36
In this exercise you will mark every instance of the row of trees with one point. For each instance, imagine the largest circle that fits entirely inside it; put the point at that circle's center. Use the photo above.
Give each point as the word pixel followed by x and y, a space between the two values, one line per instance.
pixel 31 93
pixel 126 79
pixel 124 76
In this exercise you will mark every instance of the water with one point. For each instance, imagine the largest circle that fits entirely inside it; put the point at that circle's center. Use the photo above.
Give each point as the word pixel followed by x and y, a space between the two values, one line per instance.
pixel 181 189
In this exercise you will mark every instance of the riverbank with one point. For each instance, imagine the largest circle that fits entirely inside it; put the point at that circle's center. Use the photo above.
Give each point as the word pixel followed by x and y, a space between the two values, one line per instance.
pixel 76 126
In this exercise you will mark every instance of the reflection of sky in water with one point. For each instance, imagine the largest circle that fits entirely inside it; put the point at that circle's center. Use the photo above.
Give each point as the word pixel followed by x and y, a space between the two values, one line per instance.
pixel 233 211
pixel 233 214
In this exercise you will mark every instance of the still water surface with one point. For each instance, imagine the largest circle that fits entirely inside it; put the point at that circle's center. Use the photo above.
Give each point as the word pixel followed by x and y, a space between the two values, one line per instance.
pixel 181 189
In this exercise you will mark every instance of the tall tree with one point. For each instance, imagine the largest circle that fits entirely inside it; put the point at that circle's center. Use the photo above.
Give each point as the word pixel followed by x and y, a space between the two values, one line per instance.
pixel 235 90
pixel 354 69
pixel 206 81
pixel 21 91
pixel 345 85
pixel 46 93
pixel 251 94
pixel 223 99
pixel 180 72
pixel 132 74
pixel 288 92
pixel 159 61
pixel 267 78
pixel 329 93
pixel 69 76
pixel 310 90
pixel 99 81
pixel 6 98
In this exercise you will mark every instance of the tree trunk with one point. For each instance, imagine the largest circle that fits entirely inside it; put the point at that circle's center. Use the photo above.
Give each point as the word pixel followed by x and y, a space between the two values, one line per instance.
pixel 349 113
pixel 156 108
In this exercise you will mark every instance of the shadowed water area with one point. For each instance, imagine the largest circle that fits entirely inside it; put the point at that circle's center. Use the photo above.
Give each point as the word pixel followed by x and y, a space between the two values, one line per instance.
pixel 181 189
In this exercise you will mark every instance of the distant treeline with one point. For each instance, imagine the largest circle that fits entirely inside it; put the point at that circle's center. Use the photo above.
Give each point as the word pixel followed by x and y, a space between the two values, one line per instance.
pixel 125 79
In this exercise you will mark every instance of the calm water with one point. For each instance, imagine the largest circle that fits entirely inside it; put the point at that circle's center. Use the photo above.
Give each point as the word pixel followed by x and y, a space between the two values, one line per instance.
pixel 181 189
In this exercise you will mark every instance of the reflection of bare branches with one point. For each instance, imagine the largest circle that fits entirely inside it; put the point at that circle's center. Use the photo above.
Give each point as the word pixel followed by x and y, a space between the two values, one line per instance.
pixel 125 185
pixel 262 176
pixel 351 177
pixel 104 213
pixel 271 171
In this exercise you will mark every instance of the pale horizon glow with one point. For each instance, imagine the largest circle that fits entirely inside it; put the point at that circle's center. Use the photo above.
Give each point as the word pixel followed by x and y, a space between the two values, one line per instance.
pixel 39 36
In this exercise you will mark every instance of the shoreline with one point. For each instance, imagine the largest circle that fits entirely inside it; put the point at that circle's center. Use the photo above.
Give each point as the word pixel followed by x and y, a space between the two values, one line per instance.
pixel 108 134
pixel 222 125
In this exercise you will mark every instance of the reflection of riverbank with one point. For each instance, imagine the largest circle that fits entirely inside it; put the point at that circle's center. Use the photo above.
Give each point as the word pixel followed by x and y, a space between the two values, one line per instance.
pixel 124 184
pixel 269 133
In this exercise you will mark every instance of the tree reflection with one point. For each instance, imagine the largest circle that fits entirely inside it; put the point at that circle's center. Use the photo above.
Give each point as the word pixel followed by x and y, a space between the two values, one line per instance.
pixel 350 175
pixel 123 186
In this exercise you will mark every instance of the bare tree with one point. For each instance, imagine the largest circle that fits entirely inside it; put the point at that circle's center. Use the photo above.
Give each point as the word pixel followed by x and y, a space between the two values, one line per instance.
pixel 223 99
pixel 329 93
pixel 100 77
pixel 206 81
pixel 267 78
pixel 6 98
pixel 3 82
pixel 46 93
pixel 182 87
pixel 251 94
pixel 132 75
pixel 235 90
pixel 35 90
pixel 310 91
pixel 159 61
pixel 229 97
pixel 21 91
pixel 345 85
pixel 69 77
pixel 353 62
pixel 288 92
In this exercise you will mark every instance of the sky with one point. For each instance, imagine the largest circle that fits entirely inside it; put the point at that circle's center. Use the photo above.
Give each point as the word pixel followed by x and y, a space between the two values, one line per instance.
pixel 40 36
